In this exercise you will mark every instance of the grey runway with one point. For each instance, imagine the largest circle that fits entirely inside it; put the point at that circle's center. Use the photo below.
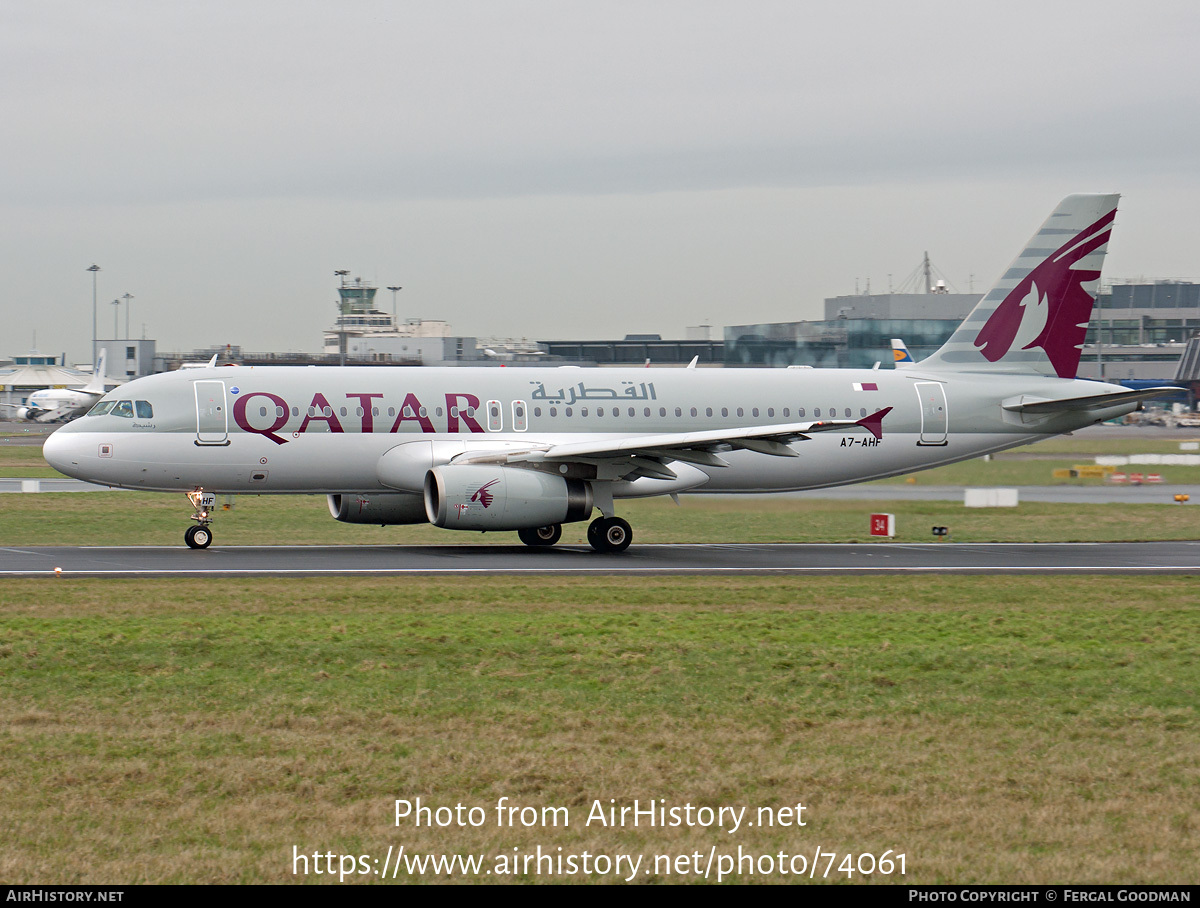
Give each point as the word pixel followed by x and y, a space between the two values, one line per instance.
pixel 893 558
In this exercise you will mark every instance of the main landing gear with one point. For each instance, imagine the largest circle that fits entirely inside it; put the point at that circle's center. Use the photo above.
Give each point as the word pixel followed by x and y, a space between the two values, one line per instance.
pixel 605 534
pixel 541 536
pixel 609 534
pixel 200 536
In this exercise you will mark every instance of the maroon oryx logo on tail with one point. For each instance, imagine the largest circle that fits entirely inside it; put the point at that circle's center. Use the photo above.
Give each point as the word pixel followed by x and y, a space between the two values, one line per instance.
pixel 1049 308
pixel 483 496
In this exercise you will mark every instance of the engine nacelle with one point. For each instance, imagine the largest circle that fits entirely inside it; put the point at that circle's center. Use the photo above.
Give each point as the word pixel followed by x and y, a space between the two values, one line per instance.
pixel 476 497
pixel 382 508
pixel 26 412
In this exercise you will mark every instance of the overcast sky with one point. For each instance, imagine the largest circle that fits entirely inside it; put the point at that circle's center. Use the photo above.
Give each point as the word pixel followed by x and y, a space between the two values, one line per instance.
pixel 566 169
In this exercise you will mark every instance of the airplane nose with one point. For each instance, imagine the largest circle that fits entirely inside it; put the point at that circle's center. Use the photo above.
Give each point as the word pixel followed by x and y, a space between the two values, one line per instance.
pixel 60 450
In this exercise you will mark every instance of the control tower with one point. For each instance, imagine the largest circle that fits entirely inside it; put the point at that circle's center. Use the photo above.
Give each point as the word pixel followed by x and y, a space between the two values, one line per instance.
pixel 357 297
pixel 357 315
pixel 360 325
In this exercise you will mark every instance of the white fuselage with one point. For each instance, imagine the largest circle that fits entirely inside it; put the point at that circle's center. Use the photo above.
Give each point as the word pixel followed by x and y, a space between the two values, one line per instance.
pixel 327 429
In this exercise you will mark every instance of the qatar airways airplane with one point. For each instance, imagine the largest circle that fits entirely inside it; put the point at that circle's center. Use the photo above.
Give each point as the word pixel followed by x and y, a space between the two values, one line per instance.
pixel 529 449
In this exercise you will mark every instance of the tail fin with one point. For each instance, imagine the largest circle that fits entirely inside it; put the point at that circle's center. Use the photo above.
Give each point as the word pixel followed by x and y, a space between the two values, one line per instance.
pixel 900 354
pixel 96 385
pixel 1035 318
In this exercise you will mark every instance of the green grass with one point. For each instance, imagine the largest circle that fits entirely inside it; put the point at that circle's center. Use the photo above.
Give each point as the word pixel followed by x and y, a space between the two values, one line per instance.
pixel 25 461
pixel 1000 730
pixel 1003 730
pixel 142 518
pixel 1000 471
pixel 32 472
pixel 1086 444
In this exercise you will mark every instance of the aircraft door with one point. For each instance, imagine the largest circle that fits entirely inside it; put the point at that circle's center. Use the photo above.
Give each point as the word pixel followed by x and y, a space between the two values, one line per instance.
pixel 495 416
pixel 934 415
pixel 212 416
pixel 520 414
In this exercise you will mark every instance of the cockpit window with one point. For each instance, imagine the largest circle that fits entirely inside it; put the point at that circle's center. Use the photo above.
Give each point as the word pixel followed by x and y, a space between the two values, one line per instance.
pixel 144 410
pixel 101 408
pixel 123 408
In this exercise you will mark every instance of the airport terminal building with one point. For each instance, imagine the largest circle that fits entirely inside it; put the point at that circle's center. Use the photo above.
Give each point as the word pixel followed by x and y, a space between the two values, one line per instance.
pixel 1139 330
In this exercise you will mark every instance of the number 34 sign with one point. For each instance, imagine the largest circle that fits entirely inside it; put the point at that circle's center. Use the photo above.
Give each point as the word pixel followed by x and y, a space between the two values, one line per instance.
pixel 883 524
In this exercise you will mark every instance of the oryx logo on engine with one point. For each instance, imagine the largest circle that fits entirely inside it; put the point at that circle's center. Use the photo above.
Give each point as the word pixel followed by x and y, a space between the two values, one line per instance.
pixel 483 496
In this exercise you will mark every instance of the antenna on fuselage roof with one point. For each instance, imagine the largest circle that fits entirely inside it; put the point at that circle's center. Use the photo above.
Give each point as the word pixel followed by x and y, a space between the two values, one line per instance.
pixel 695 359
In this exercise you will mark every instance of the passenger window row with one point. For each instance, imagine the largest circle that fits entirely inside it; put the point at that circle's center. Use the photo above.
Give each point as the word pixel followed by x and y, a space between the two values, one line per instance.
pixel 740 412
pixel 358 411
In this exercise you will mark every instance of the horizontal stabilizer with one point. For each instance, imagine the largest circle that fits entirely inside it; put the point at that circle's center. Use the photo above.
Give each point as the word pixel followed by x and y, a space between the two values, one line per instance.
pixel 1028 404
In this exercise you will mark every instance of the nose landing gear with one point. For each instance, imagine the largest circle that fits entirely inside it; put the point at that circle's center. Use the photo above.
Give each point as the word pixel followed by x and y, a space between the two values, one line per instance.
pixel 200 536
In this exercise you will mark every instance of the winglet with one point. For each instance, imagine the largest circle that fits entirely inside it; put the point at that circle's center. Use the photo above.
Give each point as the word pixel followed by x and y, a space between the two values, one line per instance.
pixel 874 422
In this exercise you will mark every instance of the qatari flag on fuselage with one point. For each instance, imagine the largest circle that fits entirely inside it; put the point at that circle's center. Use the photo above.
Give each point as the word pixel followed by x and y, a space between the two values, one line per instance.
pixel 866 386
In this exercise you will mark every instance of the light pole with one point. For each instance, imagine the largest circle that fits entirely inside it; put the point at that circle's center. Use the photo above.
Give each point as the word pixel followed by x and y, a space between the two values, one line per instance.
pixel 394 289
pixel 127 297
pixel 116 312
pixel 94 269
pixel 341 322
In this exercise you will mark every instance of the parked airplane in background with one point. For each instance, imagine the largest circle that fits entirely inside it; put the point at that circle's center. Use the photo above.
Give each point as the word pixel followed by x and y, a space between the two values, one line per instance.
pixel 532 448
pixel 900 354
pixel 512 352
pixel 61 404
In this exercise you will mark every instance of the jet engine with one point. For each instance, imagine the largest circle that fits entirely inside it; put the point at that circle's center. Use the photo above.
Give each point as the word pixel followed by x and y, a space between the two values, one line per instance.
pixel 26 412
pixel 383 508
pixel 477 497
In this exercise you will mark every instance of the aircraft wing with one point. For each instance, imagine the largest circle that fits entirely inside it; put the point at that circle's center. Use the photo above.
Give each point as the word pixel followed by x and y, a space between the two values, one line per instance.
pixel 56 414
pixel 688 447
